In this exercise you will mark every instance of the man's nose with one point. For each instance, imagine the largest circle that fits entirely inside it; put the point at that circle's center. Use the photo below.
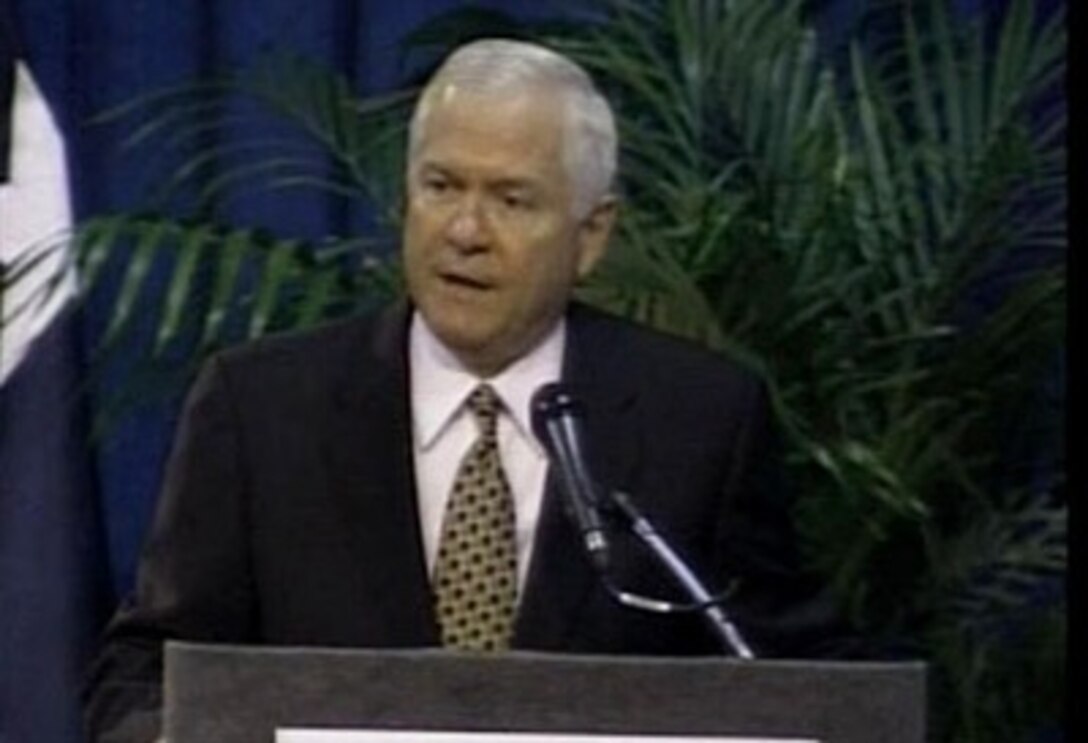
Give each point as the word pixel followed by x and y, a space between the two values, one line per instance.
pixel 467 228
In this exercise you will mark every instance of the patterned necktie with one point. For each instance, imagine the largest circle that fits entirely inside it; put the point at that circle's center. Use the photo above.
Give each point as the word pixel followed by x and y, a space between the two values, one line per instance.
pixel 475 574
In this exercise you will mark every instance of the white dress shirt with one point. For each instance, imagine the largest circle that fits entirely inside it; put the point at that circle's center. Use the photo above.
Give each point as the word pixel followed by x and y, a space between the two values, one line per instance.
pixel 443 430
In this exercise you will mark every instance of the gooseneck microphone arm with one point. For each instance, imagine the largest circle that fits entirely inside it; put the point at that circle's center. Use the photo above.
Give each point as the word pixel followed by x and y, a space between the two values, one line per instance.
pixel 556 418
pixel 711 608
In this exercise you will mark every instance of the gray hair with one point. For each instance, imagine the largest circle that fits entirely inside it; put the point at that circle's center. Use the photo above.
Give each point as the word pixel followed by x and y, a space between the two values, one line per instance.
pixel 502 66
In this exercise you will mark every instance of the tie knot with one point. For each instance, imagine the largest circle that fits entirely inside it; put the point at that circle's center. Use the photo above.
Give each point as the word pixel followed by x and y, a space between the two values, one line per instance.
pixel 484 403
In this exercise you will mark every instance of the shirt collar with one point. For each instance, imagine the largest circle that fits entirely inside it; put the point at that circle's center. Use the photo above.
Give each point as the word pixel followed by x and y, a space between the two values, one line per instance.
pixel 440 383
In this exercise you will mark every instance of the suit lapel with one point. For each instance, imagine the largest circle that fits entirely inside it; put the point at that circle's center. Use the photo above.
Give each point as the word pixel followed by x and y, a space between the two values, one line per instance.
pixel 561 578
pixel 368 454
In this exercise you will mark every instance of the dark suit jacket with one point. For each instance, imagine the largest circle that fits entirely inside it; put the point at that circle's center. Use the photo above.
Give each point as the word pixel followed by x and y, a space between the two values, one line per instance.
pixel 288 514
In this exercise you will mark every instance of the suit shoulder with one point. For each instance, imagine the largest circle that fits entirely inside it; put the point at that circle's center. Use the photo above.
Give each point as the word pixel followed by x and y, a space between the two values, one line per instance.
pixel 314 356
pixel 310 345
pixel 661 356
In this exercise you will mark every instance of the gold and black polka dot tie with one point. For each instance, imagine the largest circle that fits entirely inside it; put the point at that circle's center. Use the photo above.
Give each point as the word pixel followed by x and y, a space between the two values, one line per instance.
pixel 475 575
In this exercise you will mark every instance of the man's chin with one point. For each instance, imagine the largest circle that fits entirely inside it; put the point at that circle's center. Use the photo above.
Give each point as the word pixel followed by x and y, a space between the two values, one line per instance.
pixel 474 347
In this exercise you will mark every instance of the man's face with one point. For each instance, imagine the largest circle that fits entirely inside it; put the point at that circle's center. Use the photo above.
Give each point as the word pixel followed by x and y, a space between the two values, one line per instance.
pixel 492 247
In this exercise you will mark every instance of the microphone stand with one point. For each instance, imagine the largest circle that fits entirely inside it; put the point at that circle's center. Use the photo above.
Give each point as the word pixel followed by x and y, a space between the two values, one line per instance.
pixel 715 616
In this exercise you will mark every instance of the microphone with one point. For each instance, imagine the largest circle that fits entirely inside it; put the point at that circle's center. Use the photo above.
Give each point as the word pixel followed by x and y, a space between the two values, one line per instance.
pixel 556 418
pixel 557 422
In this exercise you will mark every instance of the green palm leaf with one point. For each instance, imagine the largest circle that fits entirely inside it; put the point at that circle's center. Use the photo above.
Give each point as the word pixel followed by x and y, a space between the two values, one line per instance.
pixel 227 284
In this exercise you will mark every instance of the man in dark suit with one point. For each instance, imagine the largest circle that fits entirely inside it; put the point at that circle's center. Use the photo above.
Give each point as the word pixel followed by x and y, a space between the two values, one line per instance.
pixel 308 495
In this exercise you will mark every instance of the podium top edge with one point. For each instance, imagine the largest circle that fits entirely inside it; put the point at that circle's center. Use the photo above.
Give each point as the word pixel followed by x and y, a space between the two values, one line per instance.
pixel 189 649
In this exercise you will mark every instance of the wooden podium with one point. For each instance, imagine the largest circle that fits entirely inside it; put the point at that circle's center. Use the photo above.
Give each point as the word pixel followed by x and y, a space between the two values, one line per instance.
pixel 234 694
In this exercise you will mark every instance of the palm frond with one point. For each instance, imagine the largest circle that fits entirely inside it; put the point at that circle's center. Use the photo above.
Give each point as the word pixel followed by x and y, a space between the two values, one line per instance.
pixel 226 284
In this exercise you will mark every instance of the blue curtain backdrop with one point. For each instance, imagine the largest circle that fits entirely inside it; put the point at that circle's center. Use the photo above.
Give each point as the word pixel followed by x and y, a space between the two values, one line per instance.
pixel 91 55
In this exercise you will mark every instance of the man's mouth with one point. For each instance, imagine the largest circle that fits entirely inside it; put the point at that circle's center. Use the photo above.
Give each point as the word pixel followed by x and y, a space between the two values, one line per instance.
pixel 464 281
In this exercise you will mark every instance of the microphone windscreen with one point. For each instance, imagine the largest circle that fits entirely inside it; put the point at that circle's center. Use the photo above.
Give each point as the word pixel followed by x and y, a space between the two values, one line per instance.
pixel 550 402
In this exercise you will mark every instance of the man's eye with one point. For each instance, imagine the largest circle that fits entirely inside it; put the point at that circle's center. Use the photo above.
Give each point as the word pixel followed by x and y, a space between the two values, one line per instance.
pixel 436 185
pixel 517 202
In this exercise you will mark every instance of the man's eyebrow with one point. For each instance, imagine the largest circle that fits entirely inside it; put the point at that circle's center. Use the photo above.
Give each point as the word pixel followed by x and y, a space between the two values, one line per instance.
pixel 430 165
pixel 527 182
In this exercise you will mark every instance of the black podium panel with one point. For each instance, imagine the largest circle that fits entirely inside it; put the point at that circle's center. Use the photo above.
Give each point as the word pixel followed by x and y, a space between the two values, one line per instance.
pixel 232 694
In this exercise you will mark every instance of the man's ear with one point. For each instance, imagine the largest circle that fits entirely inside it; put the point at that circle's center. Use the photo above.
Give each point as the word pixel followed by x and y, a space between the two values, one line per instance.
pixel 593 233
